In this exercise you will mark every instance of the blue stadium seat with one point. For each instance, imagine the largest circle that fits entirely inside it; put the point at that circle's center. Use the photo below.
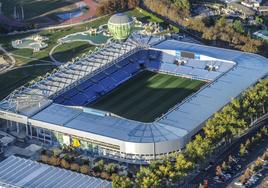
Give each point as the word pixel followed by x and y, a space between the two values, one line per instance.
pixel 111 69
pixel 85 85
pixel 104 82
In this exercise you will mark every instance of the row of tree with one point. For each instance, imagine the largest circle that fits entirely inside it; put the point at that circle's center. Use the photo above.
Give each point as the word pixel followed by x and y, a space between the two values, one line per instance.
pixel 231 34
pixel 174 10
pixel 97 169
pixel 221 33
pixel 250 143
pixel 233 120
pixel 111 6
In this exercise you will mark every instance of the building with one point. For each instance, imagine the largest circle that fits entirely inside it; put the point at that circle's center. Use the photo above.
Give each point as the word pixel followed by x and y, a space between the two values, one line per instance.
pixel 19 172
pixel 251 3
pixel 263 10
pixel 43 111
pixel 120 25
pixel 262 34
pixel 243 10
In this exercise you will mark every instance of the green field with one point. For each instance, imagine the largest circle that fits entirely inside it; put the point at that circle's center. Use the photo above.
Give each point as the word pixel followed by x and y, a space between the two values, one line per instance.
pixel 67 51
pixel 147 96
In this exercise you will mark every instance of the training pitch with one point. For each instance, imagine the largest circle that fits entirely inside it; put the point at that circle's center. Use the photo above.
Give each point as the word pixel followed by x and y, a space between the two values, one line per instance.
pixel 147 96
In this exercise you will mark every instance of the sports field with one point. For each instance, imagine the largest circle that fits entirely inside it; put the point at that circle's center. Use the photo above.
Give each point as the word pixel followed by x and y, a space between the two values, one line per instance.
pixel 147 96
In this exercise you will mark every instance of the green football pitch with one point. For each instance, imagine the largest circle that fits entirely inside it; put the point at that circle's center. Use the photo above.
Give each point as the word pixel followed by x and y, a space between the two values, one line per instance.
pixel 147 96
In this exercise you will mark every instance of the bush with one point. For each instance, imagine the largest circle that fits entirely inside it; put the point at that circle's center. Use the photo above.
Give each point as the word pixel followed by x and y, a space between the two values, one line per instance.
pixel 75 167
pixel 55 161
pixel 105 175
pixel 84 169
pixel 44 159
pixel 65 164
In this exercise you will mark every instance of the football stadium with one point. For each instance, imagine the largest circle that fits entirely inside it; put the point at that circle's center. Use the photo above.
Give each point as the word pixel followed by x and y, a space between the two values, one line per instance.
pixel 134 100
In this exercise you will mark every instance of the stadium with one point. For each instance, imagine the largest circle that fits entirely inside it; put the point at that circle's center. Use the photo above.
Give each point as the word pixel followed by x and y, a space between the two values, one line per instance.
pixel 135 100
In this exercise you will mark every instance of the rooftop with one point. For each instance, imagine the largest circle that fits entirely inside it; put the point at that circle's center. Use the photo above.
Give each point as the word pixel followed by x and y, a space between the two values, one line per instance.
pixel 242 8
pixel 180 120
pixel 120 18
pixel 19 172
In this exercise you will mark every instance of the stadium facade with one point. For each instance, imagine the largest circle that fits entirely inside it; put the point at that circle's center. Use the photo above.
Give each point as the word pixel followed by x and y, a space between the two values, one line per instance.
pixel 52 109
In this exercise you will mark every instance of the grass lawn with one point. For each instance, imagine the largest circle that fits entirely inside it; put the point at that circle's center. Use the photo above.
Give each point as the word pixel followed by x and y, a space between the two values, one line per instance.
pixel 67 51
pixel 145 16
pixel 15 78
pixel 147 96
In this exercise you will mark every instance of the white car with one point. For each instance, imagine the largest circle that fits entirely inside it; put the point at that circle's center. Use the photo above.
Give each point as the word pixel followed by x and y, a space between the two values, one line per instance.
pixel 238 183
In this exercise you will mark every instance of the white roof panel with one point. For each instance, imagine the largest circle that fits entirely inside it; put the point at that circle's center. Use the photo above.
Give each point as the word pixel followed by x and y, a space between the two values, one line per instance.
pixel 19 172
pixel 184 117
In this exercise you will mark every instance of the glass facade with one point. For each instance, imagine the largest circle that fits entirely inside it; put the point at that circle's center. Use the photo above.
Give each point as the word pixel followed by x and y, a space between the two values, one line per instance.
pixel 87 146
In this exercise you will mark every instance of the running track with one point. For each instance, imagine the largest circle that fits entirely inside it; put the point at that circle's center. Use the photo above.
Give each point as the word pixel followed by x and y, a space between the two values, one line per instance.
pixel 89 14
pixel 92 11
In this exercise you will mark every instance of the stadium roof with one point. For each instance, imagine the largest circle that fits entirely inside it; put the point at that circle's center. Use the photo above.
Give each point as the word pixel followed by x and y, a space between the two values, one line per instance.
pixel 19 172
pixel 109 126
pixel 197 109
pixel 181 120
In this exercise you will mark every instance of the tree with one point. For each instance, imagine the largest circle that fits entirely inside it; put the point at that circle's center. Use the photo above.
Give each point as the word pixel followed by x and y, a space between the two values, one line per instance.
pixel 247 144
pixel 99 166
pixel 121 182
pixel 258 20
pixel 224 166
pixel 147 178
pixel 238 26
pixel 84 169
pixel 111 168
pixel 75 167
pixel 221 22
pixel 198 148
pixel 242 150
pixel 44 158
pixel 64 164
pixel 183 165
pixel 54 160
pixel 111 6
